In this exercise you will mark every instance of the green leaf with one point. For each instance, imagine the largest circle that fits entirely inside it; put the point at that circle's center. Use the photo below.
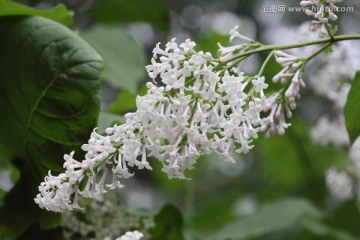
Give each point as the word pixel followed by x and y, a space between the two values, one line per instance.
pixel 214 213
pixel 126 101
pixel 292 162
pixel 268 219
pixel 127 11
pixel 2 193
pixel 49 83
pixel 271 69
pixel 124 59
pixel 352 110
pixel 322 230
pixel 5 155
pixel 281 162
pixel 59 13
pixel 210 43
pixel 346 217
pixel 168 224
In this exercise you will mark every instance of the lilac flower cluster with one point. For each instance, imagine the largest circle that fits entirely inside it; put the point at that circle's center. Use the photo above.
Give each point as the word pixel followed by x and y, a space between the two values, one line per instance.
pixel 195 105
pixel 323 14
pixel 282 103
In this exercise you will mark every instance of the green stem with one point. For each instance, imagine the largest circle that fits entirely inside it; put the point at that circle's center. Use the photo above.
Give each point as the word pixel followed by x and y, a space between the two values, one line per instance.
pixel 290 46
pixel 193 110
pixel 327 6
pixel 318 52
pixel 267 60
pixel 99 164
pixel 236 63
pixel 329 32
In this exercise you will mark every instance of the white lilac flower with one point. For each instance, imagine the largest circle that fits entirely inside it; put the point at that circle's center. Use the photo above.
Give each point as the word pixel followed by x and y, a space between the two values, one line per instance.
pixel 339 183
pixel 234 34
pixel 333 132
pixel 330 132
pixel 355 153
pixel 207 110
pixel 281 104
pixel 195 105
pixel 336 72
pixel 323 11
pixel 56 192
pixel 259 84
pixel 245 45
pixel 135 235
pixel 343 185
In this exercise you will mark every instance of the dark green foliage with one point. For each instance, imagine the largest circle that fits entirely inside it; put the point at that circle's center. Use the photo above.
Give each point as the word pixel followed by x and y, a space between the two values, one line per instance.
pixel 49 84
pixel 125 11
pixel 169 224
pixel 59 14
pixel 126 101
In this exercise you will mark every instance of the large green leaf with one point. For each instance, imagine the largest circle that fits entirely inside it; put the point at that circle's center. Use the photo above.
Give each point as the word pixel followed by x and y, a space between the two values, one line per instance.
pixel 352 110
pixel 124 58
pixel 49 85
pixel 125 11
pixel 59 14
pixel 270 218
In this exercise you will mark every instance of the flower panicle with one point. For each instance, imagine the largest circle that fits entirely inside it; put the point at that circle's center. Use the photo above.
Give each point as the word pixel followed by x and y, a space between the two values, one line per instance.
pixel 282 103
pixel 324 12
pixel 194 106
